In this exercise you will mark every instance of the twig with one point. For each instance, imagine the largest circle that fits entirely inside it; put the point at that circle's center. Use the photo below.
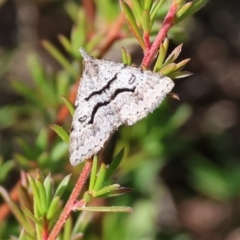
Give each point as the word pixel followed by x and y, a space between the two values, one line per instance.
pixel 167 23
pixel 90 14
pixel 112 34
pixel 45 232
pixel 72 200
pixel 146 40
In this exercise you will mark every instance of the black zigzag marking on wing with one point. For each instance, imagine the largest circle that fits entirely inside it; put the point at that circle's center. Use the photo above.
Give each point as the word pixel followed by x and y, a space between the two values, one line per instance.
pixel 105 87
pixel 101 104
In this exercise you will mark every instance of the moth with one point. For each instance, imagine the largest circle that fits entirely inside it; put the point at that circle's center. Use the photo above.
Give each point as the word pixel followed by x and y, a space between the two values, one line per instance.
pixel 109 95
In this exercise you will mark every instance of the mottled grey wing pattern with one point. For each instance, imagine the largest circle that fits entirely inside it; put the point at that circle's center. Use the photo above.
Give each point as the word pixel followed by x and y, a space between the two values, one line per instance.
pixel 111 94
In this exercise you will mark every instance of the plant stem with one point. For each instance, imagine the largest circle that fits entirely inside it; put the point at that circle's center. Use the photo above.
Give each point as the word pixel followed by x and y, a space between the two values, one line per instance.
pixel 146 40
pixel 71 201
pixel 90 14
pixel 167 23
pixel 112 34
pixel 45 232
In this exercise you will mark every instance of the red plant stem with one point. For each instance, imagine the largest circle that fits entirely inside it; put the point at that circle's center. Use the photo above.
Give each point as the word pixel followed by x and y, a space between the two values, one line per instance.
pixel 71 201
pixel 146 39
pixel 167 23
pixel 45 232
pixel 113 33
pixel 90 15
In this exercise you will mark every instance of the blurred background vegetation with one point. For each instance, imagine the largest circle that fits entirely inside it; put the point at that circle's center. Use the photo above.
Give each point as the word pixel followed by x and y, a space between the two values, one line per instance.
pixel 183 161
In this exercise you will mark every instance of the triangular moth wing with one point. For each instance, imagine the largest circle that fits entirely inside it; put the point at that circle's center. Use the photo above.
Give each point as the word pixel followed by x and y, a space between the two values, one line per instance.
pixel 111 94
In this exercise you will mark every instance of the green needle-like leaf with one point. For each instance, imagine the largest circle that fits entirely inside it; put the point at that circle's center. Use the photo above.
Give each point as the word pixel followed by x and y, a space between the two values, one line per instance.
pixel 93 42
pixel 62 86
pixel 168 69
pixel 161 56
pixel 32 217
pixel 53 208
pixel 41 141
pixel 173 55
pixel 129 58
pixel 181 64
pixel 146 21
pixel 114 164
pixel 154 10
pixel 15 210
pixel 100 177
pixel 132 23
pixel 58 151
pixel 117 192
pixel 42 196
pixel 37 71
pixel 177 75
pixel 78 37
pixel 62 186
pixel 60 58
pixel 61 133
pixel 24 235
pixel 72 9
pixel 43 88
pixel 195 6
pixel 37 200
pixel 183 10
pixel 5 169
pixel 37 213
pixel 106 190
pixel 107 209
pixel 124 56
pixel 48 185
pixel 69 105
pixel 93 173
pixel 65 42
pixel 67 229
pixel 148 5
pixel 25 199
pixel 137 9
pixel 179 2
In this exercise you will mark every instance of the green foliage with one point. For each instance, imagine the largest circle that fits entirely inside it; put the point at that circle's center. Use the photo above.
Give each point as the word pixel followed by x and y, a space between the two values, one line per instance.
pixel 100 183
pixel 5 167
pixel 189 9
pixel 167 66
pixel 142 15
pixel 126 57
pixel 46 202
pixel 148 144
pixel 61 133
